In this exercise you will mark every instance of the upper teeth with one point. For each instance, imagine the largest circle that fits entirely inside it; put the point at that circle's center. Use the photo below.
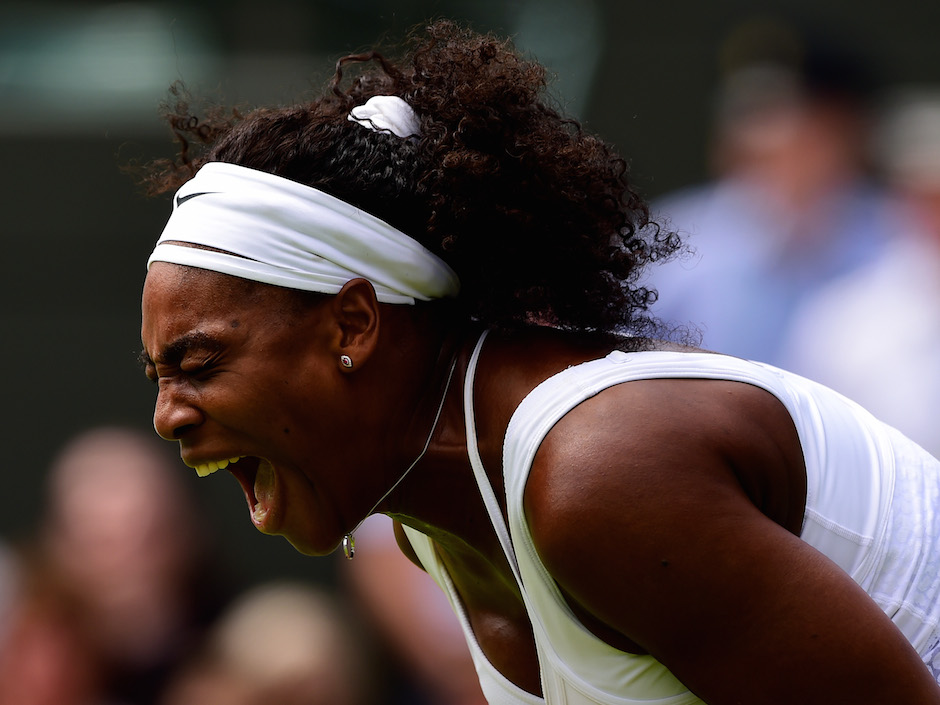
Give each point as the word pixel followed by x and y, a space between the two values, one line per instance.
pixel 213 465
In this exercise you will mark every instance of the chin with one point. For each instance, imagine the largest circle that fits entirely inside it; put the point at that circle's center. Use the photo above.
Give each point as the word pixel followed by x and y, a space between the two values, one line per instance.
pixel 310 548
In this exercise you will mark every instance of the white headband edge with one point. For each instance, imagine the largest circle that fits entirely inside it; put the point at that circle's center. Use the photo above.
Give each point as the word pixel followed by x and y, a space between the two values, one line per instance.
pixel 235 266
pixel 282 232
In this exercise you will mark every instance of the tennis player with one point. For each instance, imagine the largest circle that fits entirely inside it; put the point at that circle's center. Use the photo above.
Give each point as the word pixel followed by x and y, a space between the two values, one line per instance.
pixel 421 294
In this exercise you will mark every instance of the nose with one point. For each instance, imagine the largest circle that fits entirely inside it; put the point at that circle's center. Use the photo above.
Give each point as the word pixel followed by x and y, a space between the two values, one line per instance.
pixel 174 413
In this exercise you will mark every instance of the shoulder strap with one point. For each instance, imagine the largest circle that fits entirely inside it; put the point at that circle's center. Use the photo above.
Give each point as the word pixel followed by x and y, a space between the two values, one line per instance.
pixel 476 462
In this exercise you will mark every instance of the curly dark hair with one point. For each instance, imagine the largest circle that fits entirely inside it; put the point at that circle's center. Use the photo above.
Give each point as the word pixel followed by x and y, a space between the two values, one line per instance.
pixel 537 217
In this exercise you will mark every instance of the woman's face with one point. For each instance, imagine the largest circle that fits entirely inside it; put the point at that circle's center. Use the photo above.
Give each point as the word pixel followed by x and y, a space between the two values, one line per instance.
pixel 245 381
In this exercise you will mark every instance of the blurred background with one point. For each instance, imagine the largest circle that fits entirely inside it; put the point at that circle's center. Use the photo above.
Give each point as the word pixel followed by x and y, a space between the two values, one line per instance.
pixel 80 87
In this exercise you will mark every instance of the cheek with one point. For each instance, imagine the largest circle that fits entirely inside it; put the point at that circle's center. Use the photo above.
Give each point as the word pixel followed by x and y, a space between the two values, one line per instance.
pixel 317 413
pixel 285 406
pixel 285 388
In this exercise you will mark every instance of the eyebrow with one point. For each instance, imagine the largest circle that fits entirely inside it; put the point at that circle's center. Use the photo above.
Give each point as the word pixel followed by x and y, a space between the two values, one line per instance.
pixel 173 354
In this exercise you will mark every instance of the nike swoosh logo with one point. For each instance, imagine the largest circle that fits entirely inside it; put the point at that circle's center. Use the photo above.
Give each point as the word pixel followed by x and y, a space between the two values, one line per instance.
pixel 180 200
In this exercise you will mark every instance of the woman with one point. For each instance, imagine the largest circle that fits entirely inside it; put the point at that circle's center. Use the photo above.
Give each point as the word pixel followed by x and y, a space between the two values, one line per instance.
pixel 403 297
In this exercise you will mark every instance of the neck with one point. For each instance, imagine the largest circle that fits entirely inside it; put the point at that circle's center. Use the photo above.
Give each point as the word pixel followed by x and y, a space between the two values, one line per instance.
pixel 404 399
pixel 349 545
pixel 440 496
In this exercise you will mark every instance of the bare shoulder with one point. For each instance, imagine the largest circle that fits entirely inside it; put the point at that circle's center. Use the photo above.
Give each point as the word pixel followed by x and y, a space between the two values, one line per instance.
pixel 684 436
pixel 667 512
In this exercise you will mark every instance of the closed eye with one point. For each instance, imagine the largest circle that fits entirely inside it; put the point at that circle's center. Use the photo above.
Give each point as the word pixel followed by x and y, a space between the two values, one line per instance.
pixel 191 353
pixel 199 368
pixel 143 359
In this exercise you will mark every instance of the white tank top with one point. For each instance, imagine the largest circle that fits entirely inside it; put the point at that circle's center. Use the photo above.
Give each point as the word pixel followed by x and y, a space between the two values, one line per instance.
pixel 872 499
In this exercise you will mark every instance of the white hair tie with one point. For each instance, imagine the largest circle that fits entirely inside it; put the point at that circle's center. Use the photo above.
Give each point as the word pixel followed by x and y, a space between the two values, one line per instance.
pixel 280 232
pixel 387 113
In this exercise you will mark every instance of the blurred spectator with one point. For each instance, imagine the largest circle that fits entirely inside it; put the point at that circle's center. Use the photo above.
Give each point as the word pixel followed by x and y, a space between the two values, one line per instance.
pixel 118 579
pixel 790 208
pixel 281 643
pixel 9 579
pixel 875 335
pixel 413 617
pixel 47 656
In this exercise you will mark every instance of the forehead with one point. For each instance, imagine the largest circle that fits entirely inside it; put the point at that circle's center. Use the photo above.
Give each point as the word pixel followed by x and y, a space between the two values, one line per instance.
pixel 178 298
pixel 167 281
pixel 203 290
pixel 181 302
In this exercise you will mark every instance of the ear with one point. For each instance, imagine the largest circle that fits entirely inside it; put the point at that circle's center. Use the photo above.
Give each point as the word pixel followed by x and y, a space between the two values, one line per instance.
pixel 357 313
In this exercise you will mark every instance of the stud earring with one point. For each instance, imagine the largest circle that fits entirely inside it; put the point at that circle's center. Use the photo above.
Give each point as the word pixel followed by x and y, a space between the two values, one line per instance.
pixel 346 361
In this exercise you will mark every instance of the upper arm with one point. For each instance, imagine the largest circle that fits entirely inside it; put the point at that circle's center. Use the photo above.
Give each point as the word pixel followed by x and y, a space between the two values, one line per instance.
pixel 648 527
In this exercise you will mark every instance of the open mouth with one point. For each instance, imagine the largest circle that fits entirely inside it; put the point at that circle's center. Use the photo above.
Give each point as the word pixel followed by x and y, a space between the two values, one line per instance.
pixel 258 481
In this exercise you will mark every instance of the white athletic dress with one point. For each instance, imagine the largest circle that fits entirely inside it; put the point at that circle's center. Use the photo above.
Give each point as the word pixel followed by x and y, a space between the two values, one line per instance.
pixel 872 507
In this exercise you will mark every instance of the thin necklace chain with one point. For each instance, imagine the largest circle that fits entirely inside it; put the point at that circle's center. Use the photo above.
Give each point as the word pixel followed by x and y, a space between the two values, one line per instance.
pixel 349 540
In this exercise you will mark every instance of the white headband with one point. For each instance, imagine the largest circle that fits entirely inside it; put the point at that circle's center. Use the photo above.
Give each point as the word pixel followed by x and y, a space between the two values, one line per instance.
pixel 281 232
